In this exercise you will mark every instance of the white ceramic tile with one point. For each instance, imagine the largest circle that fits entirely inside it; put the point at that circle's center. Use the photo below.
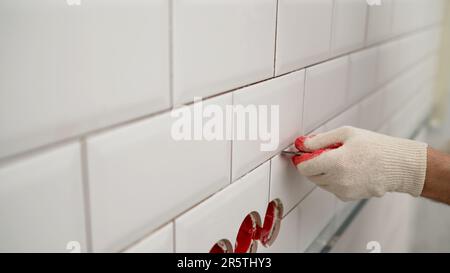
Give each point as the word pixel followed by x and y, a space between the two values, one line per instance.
pixel 362 78
pixel 141 177
pixel 386 220
pixel 286 183
pixel 303 33
pixel 434 11
pixel 72 69
pixel 220 216
pixel 379 22
pixel 395 57
pixel 316 211
pixel 41 202
pixel 407 16
pixel 407 119
pixel 286 93
pixel 349 25
pixel 399 90
pixel 220 45
pixel 372 109
pixel 160 241
pixel 350 117
pixel 288 240
pixel 413 14
pixel 325 91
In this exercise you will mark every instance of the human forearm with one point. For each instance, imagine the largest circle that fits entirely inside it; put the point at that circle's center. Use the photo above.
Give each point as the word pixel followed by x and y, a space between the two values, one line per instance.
pixel 437 178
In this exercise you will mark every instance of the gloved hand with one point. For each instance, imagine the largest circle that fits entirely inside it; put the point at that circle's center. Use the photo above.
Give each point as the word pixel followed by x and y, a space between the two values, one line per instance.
pixel 354 163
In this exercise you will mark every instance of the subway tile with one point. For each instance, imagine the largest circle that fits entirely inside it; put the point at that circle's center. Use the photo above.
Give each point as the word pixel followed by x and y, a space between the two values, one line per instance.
pixel 303 33
pixel 316 211
pixel 350 117
pixel 160 241
pixel 401 89
pixel 349 25
pixel 41 202
pixel 395 57
pixel 286 183
pixel 406 16
pixel 286 92
pixel 408 118
pixel 288 239
pixel 145 175
pixel 372 109
pixel 389 61
pixel 435 11
pixel 379 22
pixel 325 91
pixel 383 220
pixel 220 216
pixel 73 70
pixel 219 45
pixel 362 78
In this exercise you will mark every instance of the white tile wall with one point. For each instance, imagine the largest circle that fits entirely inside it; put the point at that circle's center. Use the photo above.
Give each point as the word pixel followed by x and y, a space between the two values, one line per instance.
pixel 299 44
pixel 315 211
pixel 372 109
pixel 107 73
pixel 41 202
pixel 406 16
pixel 363 74
pixel 220 216
pixel 379 22
pixel 394 57
pixel 287 94
pixel 349 25
pixel 141 177
pixel 288 240
pixel 325 91
pixel 350 117
pixel 220 45
pixel 71 70
pixel 286 183
pixel 161 241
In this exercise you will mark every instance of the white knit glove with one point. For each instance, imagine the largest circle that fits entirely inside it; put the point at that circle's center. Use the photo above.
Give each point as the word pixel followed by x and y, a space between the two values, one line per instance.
pixel 354 163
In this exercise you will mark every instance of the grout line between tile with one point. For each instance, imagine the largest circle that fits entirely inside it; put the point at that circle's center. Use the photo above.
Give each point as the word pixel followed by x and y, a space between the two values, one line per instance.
pixel 93 132
pixel 276 37
pixel 270 179
pixel 171 62
pixel 86 194
pixel 174 236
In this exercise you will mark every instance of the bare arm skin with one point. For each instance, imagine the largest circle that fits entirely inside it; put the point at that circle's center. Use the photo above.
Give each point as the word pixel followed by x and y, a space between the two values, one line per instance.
pixel 437 179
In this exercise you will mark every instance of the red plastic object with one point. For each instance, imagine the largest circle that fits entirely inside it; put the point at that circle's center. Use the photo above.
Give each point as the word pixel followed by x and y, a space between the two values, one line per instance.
pixel 247 235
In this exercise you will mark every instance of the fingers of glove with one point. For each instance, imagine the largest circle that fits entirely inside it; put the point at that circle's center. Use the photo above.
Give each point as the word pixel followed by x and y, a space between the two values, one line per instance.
pixel 322 163
pixel 332 139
